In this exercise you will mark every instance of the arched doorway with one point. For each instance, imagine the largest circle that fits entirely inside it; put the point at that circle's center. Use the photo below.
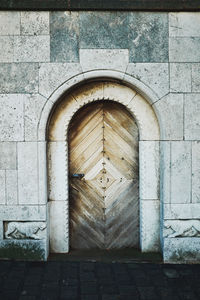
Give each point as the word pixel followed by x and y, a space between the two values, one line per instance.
pixel 104 177
pixel 57 156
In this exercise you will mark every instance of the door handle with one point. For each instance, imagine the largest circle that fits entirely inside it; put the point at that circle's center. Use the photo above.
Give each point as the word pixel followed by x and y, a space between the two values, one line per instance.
pixel 79 176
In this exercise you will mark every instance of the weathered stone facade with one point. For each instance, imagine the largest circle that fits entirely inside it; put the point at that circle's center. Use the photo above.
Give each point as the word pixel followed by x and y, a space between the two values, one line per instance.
pixel 43 56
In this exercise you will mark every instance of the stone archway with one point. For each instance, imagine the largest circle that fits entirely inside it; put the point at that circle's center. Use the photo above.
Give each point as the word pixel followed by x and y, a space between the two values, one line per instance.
pixel 149 137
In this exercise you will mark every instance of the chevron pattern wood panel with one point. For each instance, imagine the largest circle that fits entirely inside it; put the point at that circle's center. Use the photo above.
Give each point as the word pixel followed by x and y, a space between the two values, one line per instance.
pixel 103 145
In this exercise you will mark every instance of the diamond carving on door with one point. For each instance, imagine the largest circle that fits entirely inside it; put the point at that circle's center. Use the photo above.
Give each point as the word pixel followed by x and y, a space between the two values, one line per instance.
pixel 103 145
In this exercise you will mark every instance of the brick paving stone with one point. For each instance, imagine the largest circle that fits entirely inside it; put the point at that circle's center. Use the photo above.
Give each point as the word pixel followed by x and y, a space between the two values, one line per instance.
pixel 110 297
pixel 98 281
pixel 90 297
pixel 88 288
pixel 128 290
pixel 108 289
pixel 27 298
pixel 148 293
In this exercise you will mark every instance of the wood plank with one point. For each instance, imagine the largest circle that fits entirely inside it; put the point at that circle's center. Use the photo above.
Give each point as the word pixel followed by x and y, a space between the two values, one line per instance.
pixel 104 209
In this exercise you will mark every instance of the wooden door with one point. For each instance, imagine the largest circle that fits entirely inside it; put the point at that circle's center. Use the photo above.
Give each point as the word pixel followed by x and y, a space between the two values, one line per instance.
pixel 103 145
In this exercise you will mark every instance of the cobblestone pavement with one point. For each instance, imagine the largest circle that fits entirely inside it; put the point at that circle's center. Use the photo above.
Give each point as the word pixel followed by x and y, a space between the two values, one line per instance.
pixel 98 281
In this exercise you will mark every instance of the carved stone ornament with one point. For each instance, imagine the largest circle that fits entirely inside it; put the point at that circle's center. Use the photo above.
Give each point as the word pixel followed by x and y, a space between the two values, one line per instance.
pixel 181 228
pixel 25 230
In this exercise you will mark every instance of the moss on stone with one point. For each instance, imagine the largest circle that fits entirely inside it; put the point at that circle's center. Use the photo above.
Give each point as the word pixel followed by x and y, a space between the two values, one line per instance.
pixel 22 251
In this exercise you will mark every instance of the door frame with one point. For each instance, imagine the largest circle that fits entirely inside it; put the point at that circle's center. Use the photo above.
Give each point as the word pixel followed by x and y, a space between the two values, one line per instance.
pixel 57 153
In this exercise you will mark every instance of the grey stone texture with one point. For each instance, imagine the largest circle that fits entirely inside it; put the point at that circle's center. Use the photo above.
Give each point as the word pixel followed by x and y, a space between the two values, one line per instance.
pixel 12 117
pixel 52 75
pixel 191 116
pixel 148 37
pixel 8 156
pixel 32 48
pixel 154 75
pixel 105 30
pixel 11 187
pixel 116 59
pixel 181 172
pixel 196 172
pixel 173 250
pixel 23 212
pixel 18 78
pixel 196 78
pixel 9 23
pixel 27 173
pixel 2 187
pixel 180 77
pixel 34 23
pixel 33 105
pixel 170 110
pixel 184 49
pixel 6 49
pixel 64 30
pixel 184 24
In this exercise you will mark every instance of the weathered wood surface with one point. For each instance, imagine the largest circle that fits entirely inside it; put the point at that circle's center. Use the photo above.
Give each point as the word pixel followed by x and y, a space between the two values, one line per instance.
pixel 103 144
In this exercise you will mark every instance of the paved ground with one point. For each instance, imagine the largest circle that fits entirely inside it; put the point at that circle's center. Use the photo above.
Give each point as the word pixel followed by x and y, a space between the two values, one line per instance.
pixel 69 280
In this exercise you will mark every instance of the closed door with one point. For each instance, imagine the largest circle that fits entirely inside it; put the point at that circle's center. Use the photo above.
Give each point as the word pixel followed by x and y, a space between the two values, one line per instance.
pixel 103 163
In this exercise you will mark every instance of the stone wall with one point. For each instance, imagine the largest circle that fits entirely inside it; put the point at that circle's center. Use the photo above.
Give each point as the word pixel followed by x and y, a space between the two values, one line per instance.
pixel 39 51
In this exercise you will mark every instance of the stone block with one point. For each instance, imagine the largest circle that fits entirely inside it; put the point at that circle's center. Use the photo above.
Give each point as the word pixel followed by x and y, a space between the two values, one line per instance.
pixel 11 187
pixel 118 92
pixel 195 78
pixel 155 76
pixel 92 59
pixel 180 172
pixel 23 212
pixel 9 23
pixel 8 155
pixel 184 24
pixel 25 230
pixel 87 94
pixel 33 105
pixel 170 111
pixel 34 23
pixel 2 187
pixel 182 211
pixel 165 171
pixel 180 77
pixel 24 249
pixel 52 75
pixel 64 30
pixel 104 30
pixel 149 169
pixel 184 49
pixel 32 48
pixel 191 120
pixel 181 228
pixel 150 225
pixel 59 234
pixel 19 78
pixel 148 37
pixel 196 172
pixel 57 171
pixel 1 230
pixel 12 122
pixel 145 118
pixel 27 173
pixel 6 49
pixel 181 250
pixel 42 173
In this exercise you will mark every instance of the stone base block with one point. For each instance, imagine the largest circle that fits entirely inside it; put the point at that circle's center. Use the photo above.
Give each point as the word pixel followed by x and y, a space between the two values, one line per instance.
pixel 181 250
pixel 36 250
